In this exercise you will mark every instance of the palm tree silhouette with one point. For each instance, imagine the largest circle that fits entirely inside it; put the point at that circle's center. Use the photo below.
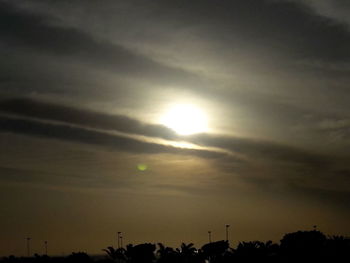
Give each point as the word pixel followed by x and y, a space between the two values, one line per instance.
pixel 215 251
pixel 142 253
pixel 117 255
pixel 187 252
pixel 167 254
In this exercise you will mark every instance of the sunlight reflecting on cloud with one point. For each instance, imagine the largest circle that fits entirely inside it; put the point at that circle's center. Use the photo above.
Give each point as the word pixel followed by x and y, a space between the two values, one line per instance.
pixel 185 119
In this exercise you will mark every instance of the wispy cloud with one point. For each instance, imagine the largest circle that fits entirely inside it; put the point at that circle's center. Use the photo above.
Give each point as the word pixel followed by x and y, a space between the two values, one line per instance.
pixel 88 136
pixel 258 162
pixel 49 111
pixel 40 34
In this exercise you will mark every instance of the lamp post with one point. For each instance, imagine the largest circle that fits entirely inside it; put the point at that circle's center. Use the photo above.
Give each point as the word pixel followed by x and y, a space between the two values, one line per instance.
pixel 28 246
pixel 121 241
pixel 118 238
pixel 45 244
pixel 227 226
pixel 209 236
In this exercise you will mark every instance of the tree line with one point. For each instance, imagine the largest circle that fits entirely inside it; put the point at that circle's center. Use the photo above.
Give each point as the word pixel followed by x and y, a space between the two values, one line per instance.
pixel 300 246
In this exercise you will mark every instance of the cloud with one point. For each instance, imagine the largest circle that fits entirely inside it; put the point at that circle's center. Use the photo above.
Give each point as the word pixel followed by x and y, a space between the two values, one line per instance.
pixel 260 53
pixel 59 179
pixel 182 189
pixel 48 111
pixel 267 165
pixel 324 195
pixel 66 132
pixel 337 10
pixel 337 129
pixel 262 150
pixel 39 34
pixel 253 149
pixel 274 38
pixel 279 27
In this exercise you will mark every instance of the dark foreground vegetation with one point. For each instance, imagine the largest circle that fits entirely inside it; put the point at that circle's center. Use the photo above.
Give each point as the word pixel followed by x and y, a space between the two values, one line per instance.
pixel 301 246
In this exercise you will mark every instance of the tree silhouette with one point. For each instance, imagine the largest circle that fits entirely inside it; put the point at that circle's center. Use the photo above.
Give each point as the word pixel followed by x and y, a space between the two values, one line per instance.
pixel 167 254
pixel 117 255
pixel 338 247
pixel 142 253
pixel 188 253
pixel 215 251
pixel 79 257
pixel 303 245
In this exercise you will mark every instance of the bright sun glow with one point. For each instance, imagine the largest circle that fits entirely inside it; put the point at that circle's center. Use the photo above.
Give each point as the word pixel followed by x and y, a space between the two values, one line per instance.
pixel 185 119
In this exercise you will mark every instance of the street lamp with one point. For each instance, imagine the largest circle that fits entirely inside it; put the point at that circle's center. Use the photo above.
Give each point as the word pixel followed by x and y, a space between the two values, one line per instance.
pixel 45 243
pixel 121 241
pixel 227 226
pixel 209 235
pixel 28 246
pixel 118 238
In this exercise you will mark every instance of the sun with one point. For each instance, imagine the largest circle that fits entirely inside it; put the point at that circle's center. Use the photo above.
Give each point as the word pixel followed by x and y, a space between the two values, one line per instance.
pixel 185 119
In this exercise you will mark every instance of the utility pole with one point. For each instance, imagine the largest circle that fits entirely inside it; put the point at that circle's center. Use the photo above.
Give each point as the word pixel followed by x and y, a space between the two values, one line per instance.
pixel 227 226
pixel 209 235
pixel 28 246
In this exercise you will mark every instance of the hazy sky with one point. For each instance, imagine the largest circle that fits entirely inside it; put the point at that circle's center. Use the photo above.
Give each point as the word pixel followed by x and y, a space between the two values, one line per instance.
pixel 84 85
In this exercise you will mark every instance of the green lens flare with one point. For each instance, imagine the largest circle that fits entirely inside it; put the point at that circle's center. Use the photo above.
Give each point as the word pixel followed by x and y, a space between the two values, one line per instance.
pixel 142 167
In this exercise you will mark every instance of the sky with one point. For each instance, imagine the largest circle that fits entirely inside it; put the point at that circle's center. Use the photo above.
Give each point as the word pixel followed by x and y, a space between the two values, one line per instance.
pixel 85 87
